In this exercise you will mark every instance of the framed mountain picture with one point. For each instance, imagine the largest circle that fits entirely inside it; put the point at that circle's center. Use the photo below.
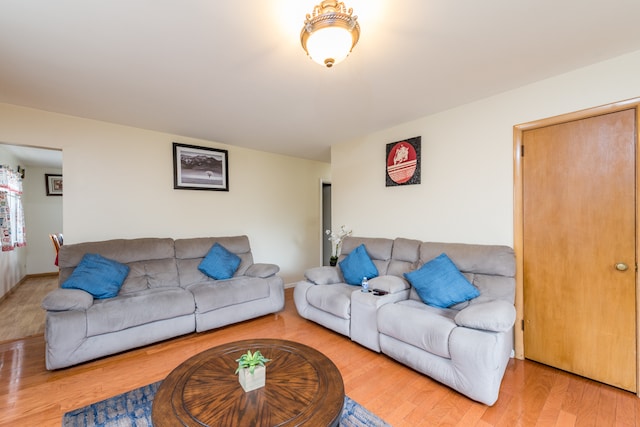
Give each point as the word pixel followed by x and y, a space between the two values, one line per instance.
pixel 200 168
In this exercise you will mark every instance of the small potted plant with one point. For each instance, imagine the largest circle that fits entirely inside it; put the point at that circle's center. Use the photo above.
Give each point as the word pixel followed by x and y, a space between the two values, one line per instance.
pixel 251 370
pixel 336 242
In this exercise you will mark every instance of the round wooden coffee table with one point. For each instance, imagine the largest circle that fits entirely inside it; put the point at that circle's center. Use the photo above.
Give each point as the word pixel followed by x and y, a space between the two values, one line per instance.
pixel 303 387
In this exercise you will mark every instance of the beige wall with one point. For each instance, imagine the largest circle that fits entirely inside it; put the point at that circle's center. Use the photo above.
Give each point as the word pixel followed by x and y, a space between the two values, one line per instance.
pixel 466 193
pixel 43 216
pixel 119 183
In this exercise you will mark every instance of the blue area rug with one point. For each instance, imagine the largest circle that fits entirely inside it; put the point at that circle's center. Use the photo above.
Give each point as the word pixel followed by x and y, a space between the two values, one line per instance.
pixel 133 409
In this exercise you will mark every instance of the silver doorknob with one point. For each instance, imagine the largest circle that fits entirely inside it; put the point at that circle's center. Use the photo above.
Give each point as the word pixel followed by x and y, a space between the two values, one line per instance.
pixel 621 266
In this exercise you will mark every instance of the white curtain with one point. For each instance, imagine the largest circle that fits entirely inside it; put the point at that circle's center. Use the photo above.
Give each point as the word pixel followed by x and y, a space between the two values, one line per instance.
pixel 12 229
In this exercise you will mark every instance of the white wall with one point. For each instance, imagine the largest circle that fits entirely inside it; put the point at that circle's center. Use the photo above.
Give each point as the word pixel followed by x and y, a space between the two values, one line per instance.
pixel 43 216
pixel 118 183
pixel 13 264
pixel 466 193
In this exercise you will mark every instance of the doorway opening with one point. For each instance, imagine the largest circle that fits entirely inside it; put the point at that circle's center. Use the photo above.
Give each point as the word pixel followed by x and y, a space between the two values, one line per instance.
pixel 326 222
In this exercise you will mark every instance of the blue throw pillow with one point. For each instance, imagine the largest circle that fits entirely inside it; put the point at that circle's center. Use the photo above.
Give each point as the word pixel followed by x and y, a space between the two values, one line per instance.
pixel 100 276
pixel 440 283
pixel 219 263
pixel 357 265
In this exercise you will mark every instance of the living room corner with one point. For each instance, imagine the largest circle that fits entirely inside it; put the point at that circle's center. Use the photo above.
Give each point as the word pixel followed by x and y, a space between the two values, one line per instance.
pixel 207 119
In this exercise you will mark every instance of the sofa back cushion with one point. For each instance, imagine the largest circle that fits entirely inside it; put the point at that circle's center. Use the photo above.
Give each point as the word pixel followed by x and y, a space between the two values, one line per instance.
pixel 190 253
pixel 490 268
pixel 493 260
pixel 405 257
pixel 151 261
pixel 378 249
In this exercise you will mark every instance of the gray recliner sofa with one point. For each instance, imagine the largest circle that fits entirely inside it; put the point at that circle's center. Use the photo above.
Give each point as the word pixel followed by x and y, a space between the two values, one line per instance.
pixel 466 346
pixel 164 295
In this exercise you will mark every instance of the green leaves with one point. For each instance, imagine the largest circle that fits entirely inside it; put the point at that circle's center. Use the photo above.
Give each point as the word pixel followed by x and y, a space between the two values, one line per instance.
pixel 249 360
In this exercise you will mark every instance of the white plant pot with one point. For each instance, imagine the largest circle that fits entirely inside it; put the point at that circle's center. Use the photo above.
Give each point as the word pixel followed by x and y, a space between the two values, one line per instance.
pixel 250 381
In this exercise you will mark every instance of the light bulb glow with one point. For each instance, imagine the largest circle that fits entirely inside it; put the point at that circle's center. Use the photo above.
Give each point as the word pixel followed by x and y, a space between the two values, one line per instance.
pixel 329 43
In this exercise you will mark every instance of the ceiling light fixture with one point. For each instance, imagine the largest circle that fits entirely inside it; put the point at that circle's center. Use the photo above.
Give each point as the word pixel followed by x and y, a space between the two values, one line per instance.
pixel 330 33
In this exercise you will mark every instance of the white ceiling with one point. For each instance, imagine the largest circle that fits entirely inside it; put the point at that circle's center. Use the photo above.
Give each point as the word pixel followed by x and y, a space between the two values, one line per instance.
pixel 234 71
pixel 31 156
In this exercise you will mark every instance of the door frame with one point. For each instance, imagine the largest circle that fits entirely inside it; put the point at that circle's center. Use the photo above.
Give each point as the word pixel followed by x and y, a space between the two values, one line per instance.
pixel 518 200
pixel 325 210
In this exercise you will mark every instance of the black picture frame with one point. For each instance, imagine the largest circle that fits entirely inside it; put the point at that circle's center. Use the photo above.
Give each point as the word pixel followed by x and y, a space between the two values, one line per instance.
pixel 53 184
pixel 403 162
pixel 200 168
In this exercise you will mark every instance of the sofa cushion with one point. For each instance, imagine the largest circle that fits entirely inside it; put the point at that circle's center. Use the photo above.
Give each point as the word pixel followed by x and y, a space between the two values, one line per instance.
pixel 357 265
pixel 439 283
pixel 484 259
pixel 334 299
pixel 214 295
pixel 495 316
pixel 405 256
pixel 155 273
pixel 323 275
pixel 126 251
pixel 494 287
pixel 219 263
pixel 190 252
pixel 196 248
pixel 378 249
pixel 425 327
pixel 262 270
pixel 100 276
pixel 138 308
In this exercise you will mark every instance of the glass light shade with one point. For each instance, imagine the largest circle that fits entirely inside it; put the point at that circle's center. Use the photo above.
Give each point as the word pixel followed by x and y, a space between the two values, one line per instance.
pixel 329 46
pixel 330 32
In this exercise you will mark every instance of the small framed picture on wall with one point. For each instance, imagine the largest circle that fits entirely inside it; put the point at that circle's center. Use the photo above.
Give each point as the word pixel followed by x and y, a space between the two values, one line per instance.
pixel 200 168
pixel 53 184
pixel 403 162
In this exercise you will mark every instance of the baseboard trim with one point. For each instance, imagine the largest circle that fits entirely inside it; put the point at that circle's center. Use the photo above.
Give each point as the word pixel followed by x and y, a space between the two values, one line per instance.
pixel 31 276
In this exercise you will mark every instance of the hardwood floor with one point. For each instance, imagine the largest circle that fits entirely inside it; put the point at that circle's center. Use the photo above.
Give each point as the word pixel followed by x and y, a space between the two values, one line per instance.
pixel 531 394
pixel 20 312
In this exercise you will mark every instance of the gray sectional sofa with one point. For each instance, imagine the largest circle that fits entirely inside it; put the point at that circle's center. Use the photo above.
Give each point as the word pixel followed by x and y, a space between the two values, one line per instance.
pixel 466 346
pixel 164 295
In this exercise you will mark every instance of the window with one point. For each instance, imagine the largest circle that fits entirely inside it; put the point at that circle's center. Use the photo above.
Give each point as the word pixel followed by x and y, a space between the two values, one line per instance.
pixel 12 229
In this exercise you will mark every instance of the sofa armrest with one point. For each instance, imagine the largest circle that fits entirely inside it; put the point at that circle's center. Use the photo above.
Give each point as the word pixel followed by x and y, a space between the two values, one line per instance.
pixel 495 316
pixel 391 284
pixel 67 299
pixel 323 275
pixel 262 270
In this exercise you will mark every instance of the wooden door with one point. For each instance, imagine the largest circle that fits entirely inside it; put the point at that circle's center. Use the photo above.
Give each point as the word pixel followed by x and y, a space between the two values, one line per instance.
pixel 578 236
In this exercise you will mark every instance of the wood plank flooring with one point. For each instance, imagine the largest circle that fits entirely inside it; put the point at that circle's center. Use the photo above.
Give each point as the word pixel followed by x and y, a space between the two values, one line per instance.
pixel 20 312
pixel 531 394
